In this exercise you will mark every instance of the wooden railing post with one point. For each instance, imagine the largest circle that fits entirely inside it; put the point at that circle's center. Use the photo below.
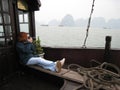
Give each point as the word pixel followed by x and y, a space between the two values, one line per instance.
pixel 107 54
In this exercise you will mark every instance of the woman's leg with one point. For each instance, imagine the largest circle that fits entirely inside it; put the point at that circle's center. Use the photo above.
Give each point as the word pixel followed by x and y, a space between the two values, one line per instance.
pixel 46 64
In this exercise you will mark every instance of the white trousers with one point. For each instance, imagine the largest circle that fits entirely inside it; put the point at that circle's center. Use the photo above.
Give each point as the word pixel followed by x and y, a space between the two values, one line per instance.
pixel 46 64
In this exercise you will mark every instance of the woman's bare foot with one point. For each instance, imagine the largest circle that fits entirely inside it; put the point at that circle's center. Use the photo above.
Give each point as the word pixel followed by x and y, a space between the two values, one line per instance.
pixel 62 62
pixel 58 66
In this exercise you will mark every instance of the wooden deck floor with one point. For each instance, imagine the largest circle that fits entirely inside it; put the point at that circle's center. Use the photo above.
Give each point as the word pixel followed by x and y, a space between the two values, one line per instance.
pixel 27 81
pixel 65 74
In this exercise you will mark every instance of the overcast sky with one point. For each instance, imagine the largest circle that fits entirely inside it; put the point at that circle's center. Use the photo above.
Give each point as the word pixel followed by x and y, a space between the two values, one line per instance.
pixel 57 9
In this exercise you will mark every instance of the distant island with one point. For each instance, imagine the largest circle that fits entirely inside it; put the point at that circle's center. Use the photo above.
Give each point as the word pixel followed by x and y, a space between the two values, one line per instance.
pixel 96 22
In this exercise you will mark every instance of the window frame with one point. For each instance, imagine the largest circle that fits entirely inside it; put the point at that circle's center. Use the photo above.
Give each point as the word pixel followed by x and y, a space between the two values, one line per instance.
pixel 6 24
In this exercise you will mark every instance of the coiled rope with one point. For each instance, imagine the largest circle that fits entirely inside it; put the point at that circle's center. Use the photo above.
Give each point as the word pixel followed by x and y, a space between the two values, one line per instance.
pixel 98 78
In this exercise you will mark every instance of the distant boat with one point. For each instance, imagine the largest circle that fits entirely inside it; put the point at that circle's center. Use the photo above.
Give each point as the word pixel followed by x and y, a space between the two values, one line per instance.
pixel 106 28
pixel 61 25
pixel 44 25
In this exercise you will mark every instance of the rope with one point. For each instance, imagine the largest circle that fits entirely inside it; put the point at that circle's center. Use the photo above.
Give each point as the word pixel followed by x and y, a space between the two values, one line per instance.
pixel 98 78
pixel 88 26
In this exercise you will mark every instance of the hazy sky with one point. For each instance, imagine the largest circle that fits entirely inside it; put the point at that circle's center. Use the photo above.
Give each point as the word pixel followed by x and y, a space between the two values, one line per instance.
pixel 57 9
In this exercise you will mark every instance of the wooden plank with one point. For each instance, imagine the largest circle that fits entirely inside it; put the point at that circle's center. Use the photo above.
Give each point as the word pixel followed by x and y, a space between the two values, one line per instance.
pixel 69 85
pixel 65 73
pixel 74 76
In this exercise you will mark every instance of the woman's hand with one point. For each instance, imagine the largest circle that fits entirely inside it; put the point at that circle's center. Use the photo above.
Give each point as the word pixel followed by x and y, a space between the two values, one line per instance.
pixel 30 39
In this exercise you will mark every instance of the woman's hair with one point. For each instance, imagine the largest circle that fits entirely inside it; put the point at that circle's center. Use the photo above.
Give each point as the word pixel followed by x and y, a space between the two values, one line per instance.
pixel 22 37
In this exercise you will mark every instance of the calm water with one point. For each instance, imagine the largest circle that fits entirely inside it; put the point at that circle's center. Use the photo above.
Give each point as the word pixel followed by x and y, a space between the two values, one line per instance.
pixel 74 37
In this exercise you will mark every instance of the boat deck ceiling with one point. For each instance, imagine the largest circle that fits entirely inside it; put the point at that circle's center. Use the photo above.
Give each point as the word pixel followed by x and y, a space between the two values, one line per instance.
pixel 65 74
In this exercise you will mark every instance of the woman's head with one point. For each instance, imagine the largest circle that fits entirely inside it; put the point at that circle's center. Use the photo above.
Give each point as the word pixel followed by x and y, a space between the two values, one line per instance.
pixel 22 37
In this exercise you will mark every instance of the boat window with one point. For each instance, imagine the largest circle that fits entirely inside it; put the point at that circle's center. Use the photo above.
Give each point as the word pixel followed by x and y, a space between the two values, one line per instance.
pixel 6 18
pixel 2 42
pixel 0 18
pixel 23 17
pixel 8 30
pixel 23 21
pixel 5 5
pixel 6 37
pixel 1 31
pixel 24 28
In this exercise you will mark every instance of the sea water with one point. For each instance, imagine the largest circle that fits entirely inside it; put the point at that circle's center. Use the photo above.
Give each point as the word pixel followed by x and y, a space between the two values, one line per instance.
pixel 56 36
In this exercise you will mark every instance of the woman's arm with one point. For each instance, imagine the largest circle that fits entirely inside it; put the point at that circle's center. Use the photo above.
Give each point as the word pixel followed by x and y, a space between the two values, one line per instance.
pixel 24 47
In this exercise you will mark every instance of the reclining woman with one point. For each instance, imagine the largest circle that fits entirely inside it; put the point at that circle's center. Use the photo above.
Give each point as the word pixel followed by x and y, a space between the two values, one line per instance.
pixel 26 49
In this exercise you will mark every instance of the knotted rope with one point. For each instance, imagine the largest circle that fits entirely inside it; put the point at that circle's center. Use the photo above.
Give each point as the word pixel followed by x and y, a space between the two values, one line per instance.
pixel 98 78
